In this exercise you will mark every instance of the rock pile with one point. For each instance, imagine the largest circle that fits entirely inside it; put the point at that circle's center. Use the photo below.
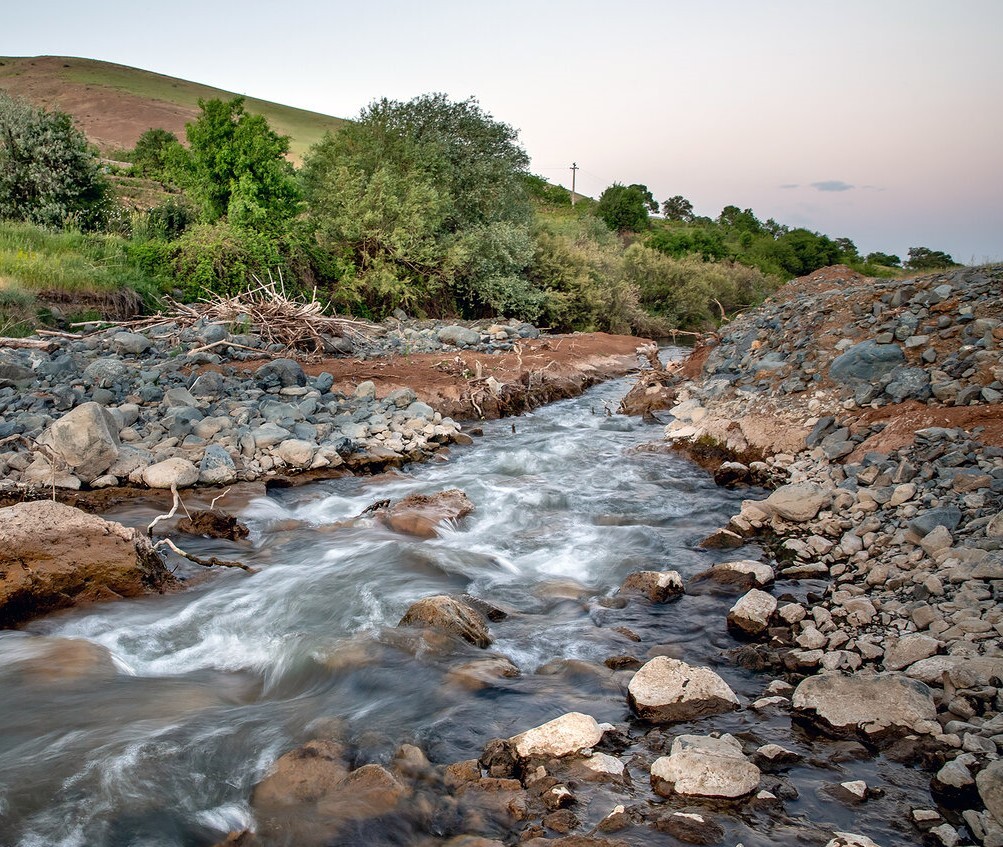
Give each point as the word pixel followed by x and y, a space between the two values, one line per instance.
pixel 165 408
pixel 874 408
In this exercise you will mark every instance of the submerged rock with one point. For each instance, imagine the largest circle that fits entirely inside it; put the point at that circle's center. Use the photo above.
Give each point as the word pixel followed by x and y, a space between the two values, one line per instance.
pixel 666 690
pixel 657 586
pixel 55 556
pixel 449 615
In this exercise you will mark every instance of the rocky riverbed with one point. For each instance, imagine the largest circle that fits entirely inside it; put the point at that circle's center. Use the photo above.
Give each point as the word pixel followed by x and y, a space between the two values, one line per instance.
pixel 873 409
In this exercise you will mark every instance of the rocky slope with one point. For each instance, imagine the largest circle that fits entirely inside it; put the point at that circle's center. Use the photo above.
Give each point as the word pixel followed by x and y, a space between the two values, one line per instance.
pixel 874 409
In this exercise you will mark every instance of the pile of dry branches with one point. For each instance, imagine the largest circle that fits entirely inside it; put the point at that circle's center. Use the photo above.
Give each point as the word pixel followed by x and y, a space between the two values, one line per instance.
pixel 264 309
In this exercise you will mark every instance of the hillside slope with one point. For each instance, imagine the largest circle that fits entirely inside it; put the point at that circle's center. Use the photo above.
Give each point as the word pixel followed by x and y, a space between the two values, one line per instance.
pixel 114 104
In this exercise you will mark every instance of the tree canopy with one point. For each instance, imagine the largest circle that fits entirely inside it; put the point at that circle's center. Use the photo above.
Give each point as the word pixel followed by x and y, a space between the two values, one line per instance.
pixel 235 167
pixel 48 175
pixel 923 259
pixel 624 208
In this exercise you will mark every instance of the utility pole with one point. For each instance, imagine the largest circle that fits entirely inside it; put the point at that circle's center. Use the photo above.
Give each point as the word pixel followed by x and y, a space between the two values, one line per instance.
pixel 574 168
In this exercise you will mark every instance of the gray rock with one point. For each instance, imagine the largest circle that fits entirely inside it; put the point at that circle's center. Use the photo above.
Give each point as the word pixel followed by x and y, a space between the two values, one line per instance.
pixel 751 614
pixel 209 384
pixel 798 502
pixel 171 473
pixel 567 735
pixel 908 383
pixel 874 705
pixel 105 372
pixel 296 452
pixel 666 690
pixel 990 785
pixel 418 409
pixel 458 336
pixel 268 435
pixel 866 362
pixel 946 516
pixel 15 376
pixel 283 372
pixel 216 467
pixel 86 439
pixel 130 343
pixel 702 766
pixel 213 333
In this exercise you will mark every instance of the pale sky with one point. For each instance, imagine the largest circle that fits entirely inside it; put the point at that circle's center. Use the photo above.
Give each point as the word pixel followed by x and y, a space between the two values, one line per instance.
pixel 879 120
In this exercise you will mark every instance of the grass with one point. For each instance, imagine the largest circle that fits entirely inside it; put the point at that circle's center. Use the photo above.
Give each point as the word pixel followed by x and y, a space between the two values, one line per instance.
pixel 305 128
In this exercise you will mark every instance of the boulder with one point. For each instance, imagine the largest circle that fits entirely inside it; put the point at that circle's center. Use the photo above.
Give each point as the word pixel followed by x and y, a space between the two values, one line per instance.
pixel 86 439
pixel 171 473
pixel 296 452
pixel 962 671
pixel 445 613
pixel 130 343
pixel 798 502
pixel 217 466
pixel 54 556
pixel 421 514
pixel 691 827
pixel 282 372
pixel 657 586
pixel 882 704
pixel 564 736
pixel 751 614
pixel 990 785
pixel 744 573
pixel 666 690
pixel 866 362
pixel 458 336
pixel 702 766
pixel 908 650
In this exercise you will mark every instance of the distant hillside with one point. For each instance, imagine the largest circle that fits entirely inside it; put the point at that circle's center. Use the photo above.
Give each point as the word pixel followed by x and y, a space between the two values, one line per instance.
pixel 115 104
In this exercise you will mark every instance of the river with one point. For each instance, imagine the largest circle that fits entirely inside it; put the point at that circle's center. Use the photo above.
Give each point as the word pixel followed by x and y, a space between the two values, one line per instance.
pixel 207 687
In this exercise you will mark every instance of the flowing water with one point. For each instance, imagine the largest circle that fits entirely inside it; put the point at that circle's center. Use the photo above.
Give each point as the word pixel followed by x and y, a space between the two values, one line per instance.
pixel 160 740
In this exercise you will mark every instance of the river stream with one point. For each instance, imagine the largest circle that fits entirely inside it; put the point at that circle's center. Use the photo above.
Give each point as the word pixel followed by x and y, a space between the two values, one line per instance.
pixel 207 687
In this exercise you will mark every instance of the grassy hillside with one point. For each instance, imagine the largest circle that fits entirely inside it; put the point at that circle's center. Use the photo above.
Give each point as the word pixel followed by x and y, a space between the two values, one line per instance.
pixel 114 104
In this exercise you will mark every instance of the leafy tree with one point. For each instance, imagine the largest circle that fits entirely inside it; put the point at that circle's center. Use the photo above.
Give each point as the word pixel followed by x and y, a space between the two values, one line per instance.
pixel 235 167
pixel 153 153
pixel 425 201
pixel 624 208
pixel 847 250
pixel 47 174
pixel 740 219
pixel 679 242
pixel 887 259
pixel 923 258
pixel 678 208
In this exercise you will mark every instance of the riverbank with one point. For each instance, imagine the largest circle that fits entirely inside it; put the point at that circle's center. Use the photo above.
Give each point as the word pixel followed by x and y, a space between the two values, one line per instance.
pixel 197 406
pixel 874 409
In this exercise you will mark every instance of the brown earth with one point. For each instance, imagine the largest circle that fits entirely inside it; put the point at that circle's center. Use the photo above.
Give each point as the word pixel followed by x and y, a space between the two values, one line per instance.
pixel 903 419
pixel 467 386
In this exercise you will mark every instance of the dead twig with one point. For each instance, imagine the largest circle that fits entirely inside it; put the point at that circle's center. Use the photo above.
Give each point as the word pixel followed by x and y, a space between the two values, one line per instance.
pixel 211 562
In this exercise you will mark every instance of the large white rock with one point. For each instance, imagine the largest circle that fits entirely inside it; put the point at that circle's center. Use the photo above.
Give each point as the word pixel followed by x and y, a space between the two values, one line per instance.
pixel 751 614
pixel 908 650
pixel 744 572
pixel 877 704
pixel 701 766
pixel 665 690
pixel 851 839
pixel 86 439
pixel 962 671
pixel 171 473
pixel 564 736
pixel 296 452
pixel 798 502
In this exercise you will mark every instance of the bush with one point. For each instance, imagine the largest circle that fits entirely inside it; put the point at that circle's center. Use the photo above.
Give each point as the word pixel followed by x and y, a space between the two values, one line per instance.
pixel 48 176
pixel 221 258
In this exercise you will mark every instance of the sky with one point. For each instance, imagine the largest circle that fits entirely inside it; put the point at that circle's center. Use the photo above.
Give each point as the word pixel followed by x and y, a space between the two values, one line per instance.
pixel 877 121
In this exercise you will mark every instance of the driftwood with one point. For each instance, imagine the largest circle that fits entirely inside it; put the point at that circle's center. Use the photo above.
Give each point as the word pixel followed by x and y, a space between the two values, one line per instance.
pixel 29 344
pixel 294 323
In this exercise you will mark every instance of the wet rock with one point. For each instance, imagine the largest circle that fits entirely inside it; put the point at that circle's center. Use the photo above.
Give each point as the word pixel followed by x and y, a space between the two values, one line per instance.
pixel 54 556
pixel 657 586
pixel 752 613
pixel 876 705
pixel 212 523
pixel 798 502
pixel 301 776
pixel 691 827
pixel 850 839
pixel 421 514
pixel 43 660
pixel 483 673
pixel 171 473
pixel 722 539
pixel 85 439
pixel 666 690
pixel 703 766
pixel 447 614
pixel 744 573
pixel 564 736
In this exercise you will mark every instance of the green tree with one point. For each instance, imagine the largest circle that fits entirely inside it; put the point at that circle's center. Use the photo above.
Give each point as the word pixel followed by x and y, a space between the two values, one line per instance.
pixel 678 208
pixel 427 202
pixel 624 208
pixel 48 175
pixel 923 259
pixel 153 153
pixel 740 219
pixel 887 259
pixel 235 167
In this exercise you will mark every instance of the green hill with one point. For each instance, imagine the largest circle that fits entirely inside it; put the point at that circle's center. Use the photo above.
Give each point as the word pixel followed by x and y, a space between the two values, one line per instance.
pixel 114 104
